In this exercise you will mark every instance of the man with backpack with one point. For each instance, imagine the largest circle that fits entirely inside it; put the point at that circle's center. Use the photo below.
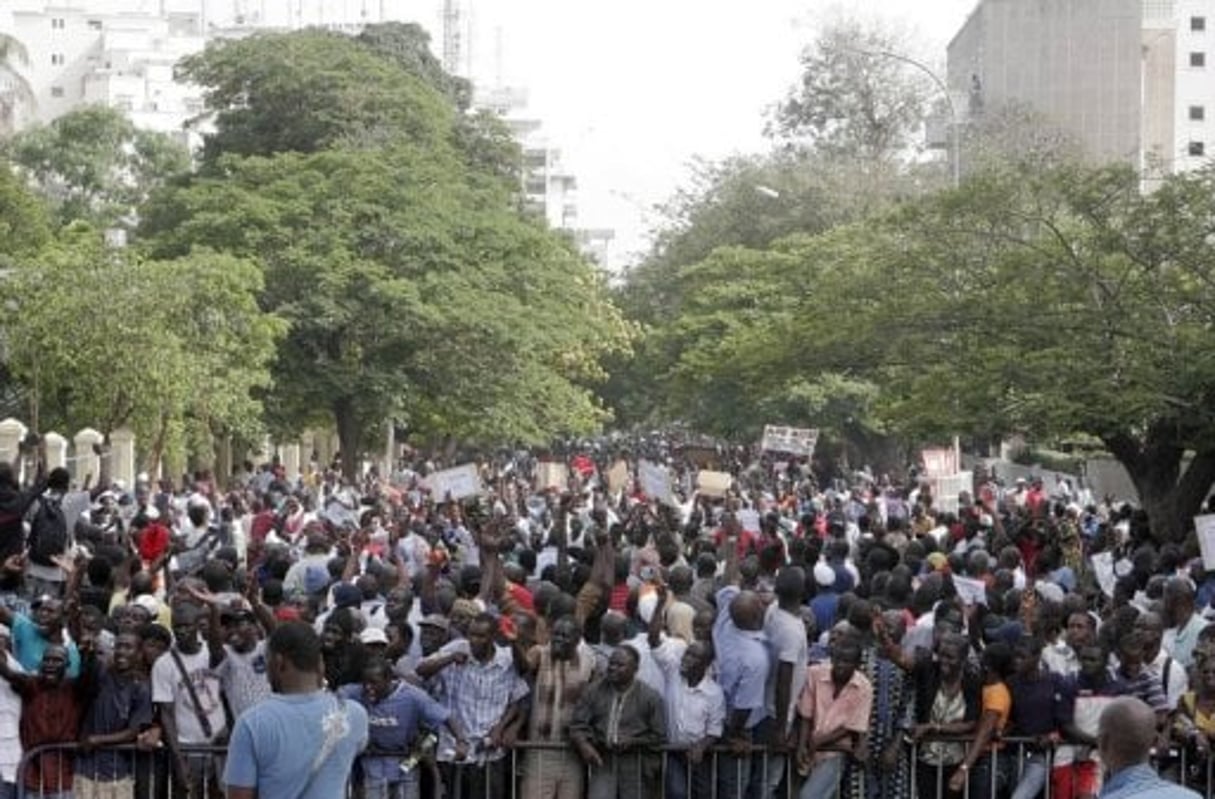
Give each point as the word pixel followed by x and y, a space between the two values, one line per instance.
pixel 48 538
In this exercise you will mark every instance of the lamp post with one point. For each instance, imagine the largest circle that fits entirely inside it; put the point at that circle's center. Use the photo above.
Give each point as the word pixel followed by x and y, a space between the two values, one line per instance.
pixel 955 122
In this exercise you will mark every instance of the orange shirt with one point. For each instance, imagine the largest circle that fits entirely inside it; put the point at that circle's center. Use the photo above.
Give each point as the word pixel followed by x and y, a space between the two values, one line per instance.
pixel 819 703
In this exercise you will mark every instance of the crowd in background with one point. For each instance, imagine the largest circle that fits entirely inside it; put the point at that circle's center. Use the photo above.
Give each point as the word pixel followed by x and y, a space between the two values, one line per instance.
pixel 790 632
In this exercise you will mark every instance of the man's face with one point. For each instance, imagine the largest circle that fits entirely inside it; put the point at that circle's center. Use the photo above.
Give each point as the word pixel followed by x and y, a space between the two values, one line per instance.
pixel 481 640
pixel 332 638
pixel 48 617
pixel 1025 661
pixel 620 668
pixel 376 685
pixel 432 638
pixel 949 660
pixel 1092 661
pixel 126 652
pixel 1079 630
pixel 702 625
pixel 844 661
pixel 54 664
pixel 243 633
pixel 185 633
pixel 397 603
pixel 152 649
pixel 564 640
pixel 694 663
pixel 1151 633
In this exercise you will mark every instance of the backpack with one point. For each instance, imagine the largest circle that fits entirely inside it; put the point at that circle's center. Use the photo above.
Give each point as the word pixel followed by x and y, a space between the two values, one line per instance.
pixel 48 532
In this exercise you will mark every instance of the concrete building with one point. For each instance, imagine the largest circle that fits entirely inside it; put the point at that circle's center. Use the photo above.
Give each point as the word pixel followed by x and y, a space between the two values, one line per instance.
pixel 1130 79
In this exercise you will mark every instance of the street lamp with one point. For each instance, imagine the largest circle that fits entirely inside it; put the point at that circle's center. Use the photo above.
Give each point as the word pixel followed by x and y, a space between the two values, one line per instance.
pixel 955 120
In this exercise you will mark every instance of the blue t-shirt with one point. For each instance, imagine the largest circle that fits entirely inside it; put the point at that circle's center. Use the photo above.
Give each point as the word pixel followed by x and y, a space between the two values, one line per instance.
pixel 29 645
pixel 289 742
pixel 394 723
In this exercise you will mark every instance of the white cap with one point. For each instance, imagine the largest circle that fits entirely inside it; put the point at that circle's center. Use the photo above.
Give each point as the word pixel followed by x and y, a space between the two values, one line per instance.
pixel 824 575
pixel 373 635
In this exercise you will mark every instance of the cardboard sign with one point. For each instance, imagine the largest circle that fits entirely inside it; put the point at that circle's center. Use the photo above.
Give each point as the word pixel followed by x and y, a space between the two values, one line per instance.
pixel 1204 527
pixel 618 477
pixel 945 490
pixel 798 441
pixel 552 475
pixel 655 482
pixel 748 519
pixel 74 505
pixel 970 591
pixel 460 482
pixel 713 484
pixel 702 457
pixel 939 462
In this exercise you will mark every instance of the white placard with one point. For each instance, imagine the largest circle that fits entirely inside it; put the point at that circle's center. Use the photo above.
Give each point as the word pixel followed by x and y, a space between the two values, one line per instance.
pixel 748 520
pixel 970 591
pixel 655 481
pixel 713 484
pixel 798 441
pixel 939 462
pixel 945 491
pixel 1204 526
pixel 552 475
pixel 1103 568
pixel 459 481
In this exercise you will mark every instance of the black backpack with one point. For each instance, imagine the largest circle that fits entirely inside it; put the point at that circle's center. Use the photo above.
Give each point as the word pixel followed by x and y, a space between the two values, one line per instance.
pixel 48 532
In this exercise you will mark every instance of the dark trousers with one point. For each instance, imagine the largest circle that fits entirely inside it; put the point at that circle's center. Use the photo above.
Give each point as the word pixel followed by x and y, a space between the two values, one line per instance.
pixel 476 781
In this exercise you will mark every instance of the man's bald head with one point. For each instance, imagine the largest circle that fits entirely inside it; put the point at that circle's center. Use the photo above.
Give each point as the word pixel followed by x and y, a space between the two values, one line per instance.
pixel 1126 733
pixel 747 611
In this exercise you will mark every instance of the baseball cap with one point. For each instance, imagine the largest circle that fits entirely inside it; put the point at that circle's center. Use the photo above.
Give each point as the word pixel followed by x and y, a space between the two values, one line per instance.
pixel 435 620
pixel 373 635
pixel 346 595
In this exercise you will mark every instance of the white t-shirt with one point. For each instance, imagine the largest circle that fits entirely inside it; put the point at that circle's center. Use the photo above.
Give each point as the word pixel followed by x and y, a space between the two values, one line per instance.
pixel 787 643
pixel 10 721
pixel 244 678
pixel 168 687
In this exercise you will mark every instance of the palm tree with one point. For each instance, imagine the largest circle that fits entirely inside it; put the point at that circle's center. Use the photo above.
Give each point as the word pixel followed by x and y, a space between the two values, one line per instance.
pixel 18 91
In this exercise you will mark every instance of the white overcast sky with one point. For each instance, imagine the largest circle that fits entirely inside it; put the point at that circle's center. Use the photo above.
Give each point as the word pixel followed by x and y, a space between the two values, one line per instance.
pixel 632 90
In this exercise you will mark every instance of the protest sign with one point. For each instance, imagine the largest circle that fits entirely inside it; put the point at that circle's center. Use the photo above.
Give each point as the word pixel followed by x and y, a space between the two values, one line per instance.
pixel 655 481
pixel 797 441
pixel 1204 526
pixel 945 490
pixel 617 477
pixel 970 591
pixel 748 520
pixel 939 462
pixel 459 481
pixel 702 457
pixel 75 504
pixel 713 484
pixel 552 475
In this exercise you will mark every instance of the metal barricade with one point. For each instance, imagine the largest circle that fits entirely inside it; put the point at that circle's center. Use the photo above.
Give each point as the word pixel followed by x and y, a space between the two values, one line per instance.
pixel 1017 767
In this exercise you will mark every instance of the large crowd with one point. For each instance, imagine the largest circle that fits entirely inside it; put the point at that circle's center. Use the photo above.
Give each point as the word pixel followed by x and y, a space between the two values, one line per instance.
pixel 312 637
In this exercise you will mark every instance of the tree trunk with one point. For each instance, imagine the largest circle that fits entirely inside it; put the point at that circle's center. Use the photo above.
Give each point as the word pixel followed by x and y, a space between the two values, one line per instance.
pixel 1170 496
pixel 348 436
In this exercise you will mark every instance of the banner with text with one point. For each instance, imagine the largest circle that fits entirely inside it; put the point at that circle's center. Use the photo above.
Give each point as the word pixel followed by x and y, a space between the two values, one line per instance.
pixel 792 440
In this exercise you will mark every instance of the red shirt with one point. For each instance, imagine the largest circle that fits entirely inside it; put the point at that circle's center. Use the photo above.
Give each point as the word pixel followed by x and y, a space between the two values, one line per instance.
pixel 153 541
pixel 619 598
pixel 50 714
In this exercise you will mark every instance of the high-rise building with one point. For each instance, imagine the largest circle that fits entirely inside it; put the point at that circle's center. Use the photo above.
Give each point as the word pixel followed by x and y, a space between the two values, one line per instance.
pixel 1132 80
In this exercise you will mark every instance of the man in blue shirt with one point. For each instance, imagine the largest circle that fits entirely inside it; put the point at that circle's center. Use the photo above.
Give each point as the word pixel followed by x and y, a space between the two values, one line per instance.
pixel 301 741
pixel 1125 735
pixel 743 663
pixel 33 634
pixel 396 711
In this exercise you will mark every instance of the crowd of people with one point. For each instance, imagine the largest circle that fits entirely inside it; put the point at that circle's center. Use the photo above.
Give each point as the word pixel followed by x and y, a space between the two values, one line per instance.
pixel 312 637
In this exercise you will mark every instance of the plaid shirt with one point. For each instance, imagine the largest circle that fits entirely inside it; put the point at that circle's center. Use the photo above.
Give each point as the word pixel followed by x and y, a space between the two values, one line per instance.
pixel 477 695
pixel 559 684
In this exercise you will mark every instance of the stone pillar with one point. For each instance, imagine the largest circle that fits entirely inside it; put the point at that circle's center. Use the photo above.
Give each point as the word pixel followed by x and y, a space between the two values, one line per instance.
pixel 56 451
pixel 11 434
pixel 122 468
pixel 87 462
pixel 290 454
pixel 307 450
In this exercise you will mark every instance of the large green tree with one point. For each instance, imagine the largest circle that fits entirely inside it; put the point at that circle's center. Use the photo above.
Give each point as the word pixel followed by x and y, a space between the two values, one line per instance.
pixel 415 292
pixel 13 56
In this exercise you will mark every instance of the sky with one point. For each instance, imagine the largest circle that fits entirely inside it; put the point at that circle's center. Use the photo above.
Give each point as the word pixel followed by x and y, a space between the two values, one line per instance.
pixel 632 91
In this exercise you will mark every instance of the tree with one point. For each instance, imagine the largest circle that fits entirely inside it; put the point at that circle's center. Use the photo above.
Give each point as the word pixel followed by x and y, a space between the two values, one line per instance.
pixel 307 91
pixel 94 165
pixel 107 338
pixel 858 97
pixel 13 55
pixel 24 227
pixel 407 45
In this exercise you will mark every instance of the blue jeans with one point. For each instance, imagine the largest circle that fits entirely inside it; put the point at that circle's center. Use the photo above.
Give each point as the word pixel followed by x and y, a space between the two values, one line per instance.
pixel 1034 773
pixel 824 779
pixel 686 780
pixel 408 788
pixel 734 773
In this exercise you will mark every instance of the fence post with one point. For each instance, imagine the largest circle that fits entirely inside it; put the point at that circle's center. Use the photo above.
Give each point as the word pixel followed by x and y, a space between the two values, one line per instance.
pixel 56 451
pixel 87 462
pixel 123 465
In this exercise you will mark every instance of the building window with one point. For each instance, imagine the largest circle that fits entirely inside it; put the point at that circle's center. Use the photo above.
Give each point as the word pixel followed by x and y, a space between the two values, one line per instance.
pixel 1197 149
pixel 56 91
pixel 58 23
pixel 1197 113
pixel 94 24
pixel 1198 24
pixel 1198 59
pixel 57 59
